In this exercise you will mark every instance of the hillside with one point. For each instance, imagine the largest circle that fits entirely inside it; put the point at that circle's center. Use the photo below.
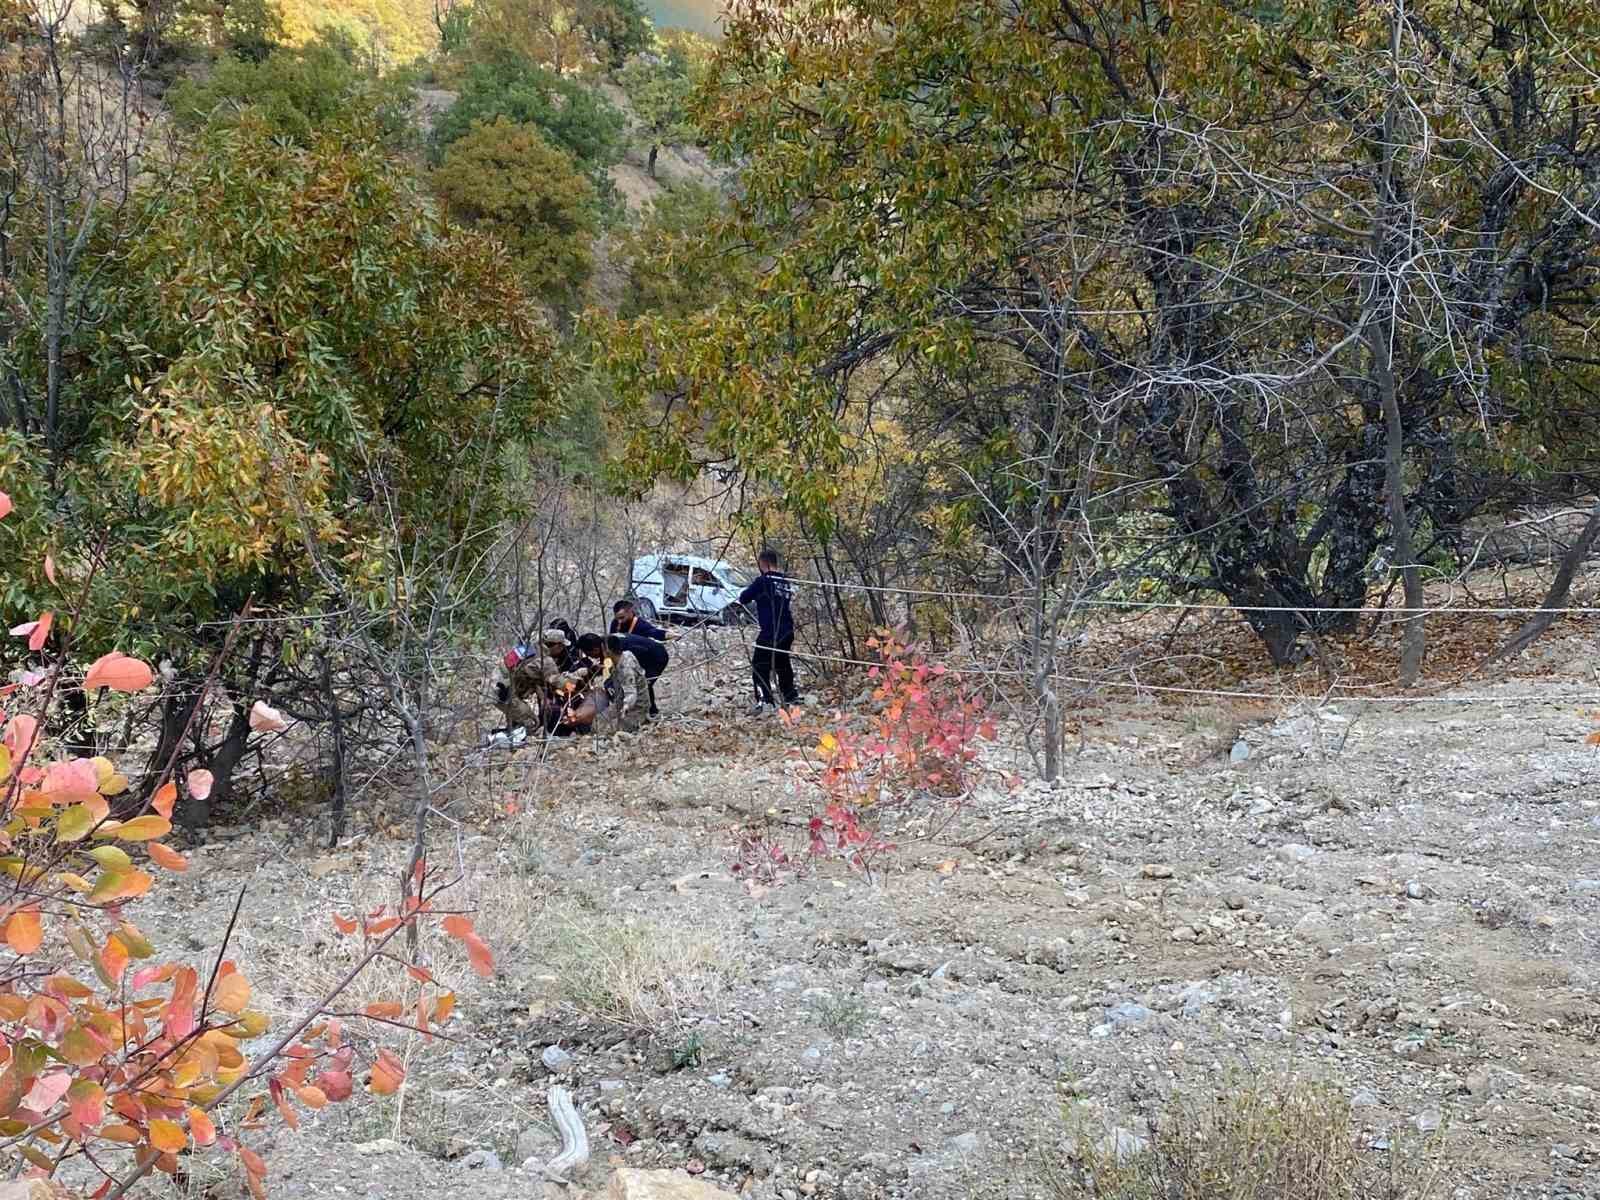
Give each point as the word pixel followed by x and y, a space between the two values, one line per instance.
pixel 403 28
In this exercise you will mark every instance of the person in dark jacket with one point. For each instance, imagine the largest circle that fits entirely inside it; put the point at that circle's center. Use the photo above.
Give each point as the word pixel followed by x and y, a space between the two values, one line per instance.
pixel 626 619
pixel 771 598
pixel 651 651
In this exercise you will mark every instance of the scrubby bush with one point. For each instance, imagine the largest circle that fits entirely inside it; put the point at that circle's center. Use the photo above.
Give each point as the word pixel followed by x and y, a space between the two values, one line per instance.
pixel 103 1047
pixel 576 118
pixel 1254 1140
pixel 301 93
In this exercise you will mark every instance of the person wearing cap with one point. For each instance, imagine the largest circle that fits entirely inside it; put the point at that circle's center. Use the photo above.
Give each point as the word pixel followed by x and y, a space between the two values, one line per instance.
pixel 579 692
pixel 524 696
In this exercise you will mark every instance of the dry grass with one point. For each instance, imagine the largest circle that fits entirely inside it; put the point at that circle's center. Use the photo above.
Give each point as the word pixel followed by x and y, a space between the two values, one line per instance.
pixel 647 976
pixel 1256 1140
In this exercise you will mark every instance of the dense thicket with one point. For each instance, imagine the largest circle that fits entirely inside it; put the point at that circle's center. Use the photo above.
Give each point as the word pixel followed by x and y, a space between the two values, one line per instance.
pixel 1262 300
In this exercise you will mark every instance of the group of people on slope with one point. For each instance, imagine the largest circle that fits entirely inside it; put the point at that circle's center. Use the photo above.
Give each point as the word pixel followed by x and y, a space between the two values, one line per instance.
pixel 570 683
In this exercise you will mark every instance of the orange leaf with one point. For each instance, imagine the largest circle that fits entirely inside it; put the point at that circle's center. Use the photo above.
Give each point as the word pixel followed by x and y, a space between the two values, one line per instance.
pixel 24 934
pixel 120 1133
pixel 387 1009
pixel 168 1136
pixel 252 1162
pixel 387 1074
pixel 164 855
pixel 344 924
pixel 444 1007
pixel 162 800
pixel 50 568
pixel 114 958
pixel 119 673
pixel 312 1097
pixel 87 1103
pixel 201 1128
pixel 233 992
pixel 477 950
pixel 140 829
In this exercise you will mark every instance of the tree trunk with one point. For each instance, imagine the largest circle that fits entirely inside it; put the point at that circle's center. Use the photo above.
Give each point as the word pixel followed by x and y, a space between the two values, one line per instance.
pixel 1380 344
pixel 222 763
pixel 177 707
pixel 655 149
pixel 1413 638
pixel 1556 598
pixel 336 768
pixel 1044 672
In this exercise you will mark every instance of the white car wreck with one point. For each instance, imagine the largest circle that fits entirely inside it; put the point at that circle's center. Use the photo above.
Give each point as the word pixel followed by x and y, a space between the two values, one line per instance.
pixel 689 588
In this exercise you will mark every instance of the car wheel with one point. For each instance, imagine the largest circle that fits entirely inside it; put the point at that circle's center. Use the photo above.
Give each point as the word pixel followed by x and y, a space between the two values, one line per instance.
pixel 646 609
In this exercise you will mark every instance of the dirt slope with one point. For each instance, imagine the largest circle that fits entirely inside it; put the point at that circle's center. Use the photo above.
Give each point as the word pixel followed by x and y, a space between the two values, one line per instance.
pixel 1404 902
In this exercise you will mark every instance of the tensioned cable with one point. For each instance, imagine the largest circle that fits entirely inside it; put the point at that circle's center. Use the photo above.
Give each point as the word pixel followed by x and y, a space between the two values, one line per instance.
pixel 1179 604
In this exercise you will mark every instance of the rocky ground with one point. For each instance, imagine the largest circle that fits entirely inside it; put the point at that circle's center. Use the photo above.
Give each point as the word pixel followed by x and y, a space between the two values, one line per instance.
pixel 1401 900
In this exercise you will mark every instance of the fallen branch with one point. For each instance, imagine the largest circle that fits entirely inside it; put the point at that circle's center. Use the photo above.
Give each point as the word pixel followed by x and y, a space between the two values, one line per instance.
pixel 1556 599
pixel 574 1154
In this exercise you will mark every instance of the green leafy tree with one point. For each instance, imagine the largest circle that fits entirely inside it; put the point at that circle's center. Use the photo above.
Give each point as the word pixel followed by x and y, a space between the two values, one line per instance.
pixel 675 268
pixel 506 179
pixel 253 28
pixel 617 29
pixel 575 118
pixel 545 33
pixel 289 321
pixel 1272 273
pixel 659 90
pixel 301 93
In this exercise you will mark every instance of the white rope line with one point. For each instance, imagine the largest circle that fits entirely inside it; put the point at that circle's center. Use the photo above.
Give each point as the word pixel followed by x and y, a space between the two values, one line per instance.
pixel 1132 685
pixel 1395 610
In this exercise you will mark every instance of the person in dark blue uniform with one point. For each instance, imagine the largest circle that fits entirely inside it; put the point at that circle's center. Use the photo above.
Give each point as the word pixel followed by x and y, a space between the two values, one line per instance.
pixel 646 642
pixel 771 598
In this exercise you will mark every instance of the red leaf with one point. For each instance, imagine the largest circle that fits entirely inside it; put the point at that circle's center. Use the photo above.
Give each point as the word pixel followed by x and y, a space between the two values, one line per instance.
pixel 290 1117
pixel 41 631
pixel 5 505
pixel 335 1085
pixel 344 924
pixel 87 1102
